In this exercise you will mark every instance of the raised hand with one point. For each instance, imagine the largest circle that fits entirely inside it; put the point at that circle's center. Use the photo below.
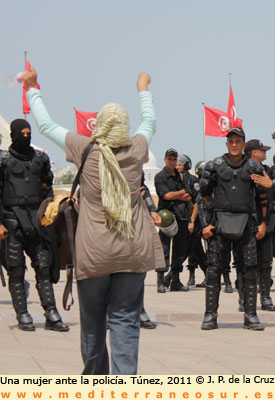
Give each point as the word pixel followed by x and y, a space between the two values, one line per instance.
pixel 143 81
pixel 29 79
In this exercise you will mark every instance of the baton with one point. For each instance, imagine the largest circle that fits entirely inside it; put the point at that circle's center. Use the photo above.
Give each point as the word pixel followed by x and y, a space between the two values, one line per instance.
pixel 2 276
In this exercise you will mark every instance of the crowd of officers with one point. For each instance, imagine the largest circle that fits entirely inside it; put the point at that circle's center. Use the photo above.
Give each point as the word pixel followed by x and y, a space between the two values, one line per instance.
pixel 224 216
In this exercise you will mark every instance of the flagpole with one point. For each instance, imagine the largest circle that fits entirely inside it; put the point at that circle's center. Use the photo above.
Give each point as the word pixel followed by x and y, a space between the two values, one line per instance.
pixel 74 121
pixel 229 78
pixel 25 59
pixel 203 137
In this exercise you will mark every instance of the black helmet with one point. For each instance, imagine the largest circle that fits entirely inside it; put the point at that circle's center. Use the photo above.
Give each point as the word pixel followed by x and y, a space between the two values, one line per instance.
pixel 186 161
pixel 199 167
pixel 169 225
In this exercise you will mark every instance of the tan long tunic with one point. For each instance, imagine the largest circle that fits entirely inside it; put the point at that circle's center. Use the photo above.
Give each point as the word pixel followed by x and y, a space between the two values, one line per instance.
pixel 100 251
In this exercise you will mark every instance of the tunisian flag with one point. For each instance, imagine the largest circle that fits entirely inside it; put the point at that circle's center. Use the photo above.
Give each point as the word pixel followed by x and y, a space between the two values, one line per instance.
pixel 216 122
pixel 25 104
pixel 232 112
pixel 85 122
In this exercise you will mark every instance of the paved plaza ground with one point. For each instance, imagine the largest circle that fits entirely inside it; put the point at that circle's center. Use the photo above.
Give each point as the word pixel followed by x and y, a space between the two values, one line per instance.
pixel 176 346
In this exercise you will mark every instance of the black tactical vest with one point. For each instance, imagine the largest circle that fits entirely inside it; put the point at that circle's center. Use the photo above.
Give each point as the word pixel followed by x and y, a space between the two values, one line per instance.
pixel 21 180
pixel 234 191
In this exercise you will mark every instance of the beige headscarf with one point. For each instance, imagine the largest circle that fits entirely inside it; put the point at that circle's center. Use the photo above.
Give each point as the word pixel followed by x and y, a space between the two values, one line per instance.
pixel 112 131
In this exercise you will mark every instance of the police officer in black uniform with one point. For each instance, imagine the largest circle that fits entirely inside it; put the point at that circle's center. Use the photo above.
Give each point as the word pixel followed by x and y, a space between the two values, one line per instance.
pixel 173 194
pixel 196 253
pixel 26 179
pixel 268 181
pixel 257 151
pixel 235 199
pixel 145 321
pixel 272 173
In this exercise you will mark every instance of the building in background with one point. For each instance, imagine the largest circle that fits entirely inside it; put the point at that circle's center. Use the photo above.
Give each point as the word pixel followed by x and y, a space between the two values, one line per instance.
pixel 150 170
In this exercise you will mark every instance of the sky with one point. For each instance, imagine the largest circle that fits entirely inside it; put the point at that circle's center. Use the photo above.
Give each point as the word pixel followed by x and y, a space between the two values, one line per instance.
pixel 89 52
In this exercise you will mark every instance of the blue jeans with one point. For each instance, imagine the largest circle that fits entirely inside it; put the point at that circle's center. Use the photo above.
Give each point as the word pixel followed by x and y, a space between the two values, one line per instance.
pixel 120 295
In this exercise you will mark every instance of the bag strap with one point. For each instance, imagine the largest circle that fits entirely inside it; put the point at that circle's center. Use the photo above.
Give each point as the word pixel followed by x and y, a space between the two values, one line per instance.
pixel 77 177
pixel 68 290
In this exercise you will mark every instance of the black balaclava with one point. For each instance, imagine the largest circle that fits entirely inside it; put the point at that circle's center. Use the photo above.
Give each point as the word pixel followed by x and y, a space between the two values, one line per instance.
pixel 19 143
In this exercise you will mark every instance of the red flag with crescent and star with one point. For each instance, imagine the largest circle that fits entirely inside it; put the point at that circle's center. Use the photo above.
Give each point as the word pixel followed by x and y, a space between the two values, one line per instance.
pixel 217 122
pixel 234 121
pixel 85 122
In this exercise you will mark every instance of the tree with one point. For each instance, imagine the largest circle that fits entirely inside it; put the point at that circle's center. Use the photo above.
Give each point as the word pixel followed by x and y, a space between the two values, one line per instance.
pixel 66 178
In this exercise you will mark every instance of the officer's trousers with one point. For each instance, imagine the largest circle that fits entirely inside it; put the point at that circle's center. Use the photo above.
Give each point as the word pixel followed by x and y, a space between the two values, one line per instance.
pixel 196 254
pixel 245 255
pixel 179 247
pixel 15 245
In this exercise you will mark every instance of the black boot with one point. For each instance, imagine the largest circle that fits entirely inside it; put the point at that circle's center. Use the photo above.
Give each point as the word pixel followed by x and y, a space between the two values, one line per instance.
pixel 240 287
pixel 160 283
pixel 264 285
pixel 145 321
pixel 167 279
pixel 209 321
pixel 251 320
pixel 203 283
pixel 212 293
pixel 54 321
pixel 25 322
pixel 18 295
pixel 176 285
pixel 228 286
pixel 46 294
pixel 191 280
